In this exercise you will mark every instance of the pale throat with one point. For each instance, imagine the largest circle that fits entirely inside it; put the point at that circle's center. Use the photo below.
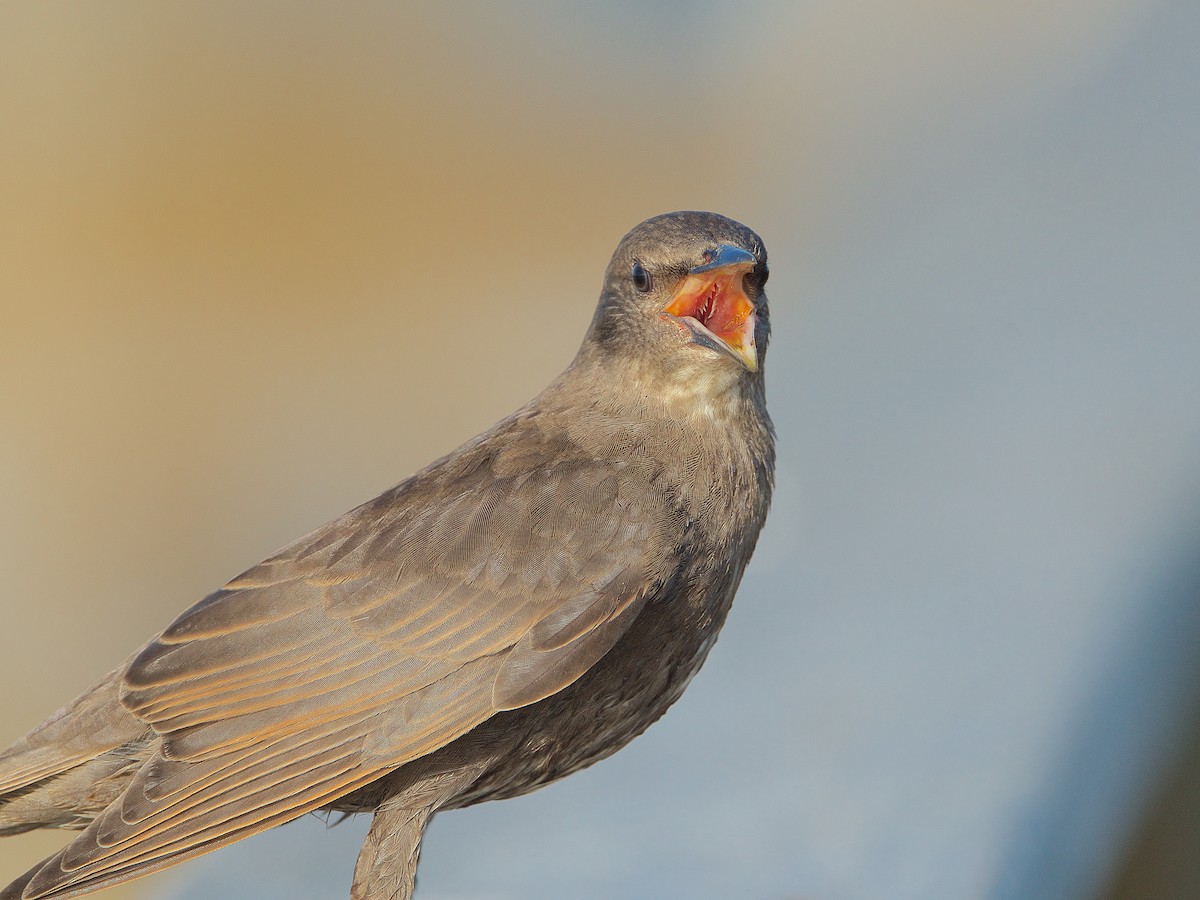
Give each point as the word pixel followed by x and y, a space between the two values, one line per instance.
pixel 696 387
pixel 701 389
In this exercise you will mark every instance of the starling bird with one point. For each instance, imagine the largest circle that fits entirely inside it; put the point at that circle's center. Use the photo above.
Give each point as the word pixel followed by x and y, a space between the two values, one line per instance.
pixel 512 613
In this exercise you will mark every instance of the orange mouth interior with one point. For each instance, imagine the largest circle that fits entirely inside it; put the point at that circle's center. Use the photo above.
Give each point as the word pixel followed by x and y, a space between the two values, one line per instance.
pixel 717 302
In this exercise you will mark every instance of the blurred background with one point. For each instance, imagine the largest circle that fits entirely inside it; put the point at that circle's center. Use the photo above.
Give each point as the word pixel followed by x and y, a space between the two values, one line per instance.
pixel 259 261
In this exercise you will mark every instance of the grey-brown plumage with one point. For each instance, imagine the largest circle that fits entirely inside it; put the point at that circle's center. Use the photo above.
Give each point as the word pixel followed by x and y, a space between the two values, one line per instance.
pixel 514 612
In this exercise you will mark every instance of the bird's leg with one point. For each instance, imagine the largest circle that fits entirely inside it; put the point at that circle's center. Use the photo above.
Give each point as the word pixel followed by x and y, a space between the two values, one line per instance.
pixel 387 865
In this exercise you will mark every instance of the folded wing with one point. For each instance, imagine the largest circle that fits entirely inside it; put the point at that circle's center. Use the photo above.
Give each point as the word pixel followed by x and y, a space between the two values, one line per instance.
pixel 481 586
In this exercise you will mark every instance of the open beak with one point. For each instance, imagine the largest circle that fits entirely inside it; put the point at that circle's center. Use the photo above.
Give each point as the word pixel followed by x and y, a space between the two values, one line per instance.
pixel 712 305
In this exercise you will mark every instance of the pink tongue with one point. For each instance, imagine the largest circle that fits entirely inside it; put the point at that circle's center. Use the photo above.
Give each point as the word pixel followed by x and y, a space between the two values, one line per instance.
pixel 720 318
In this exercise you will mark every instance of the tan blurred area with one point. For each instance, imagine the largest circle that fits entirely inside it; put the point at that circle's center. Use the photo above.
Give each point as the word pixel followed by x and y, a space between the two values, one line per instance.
pixel 259 262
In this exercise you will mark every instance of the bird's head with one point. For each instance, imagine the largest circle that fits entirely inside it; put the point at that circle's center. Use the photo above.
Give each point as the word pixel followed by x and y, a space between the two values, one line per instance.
pixel 683 295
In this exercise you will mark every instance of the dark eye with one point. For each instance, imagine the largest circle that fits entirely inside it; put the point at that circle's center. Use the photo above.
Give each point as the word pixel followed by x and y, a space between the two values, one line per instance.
pixel 641 278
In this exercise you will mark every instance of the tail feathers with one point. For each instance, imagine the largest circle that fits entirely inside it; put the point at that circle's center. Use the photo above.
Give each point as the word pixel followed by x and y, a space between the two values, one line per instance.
pixel 83 729
pixel 61 773
pixel 71 799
